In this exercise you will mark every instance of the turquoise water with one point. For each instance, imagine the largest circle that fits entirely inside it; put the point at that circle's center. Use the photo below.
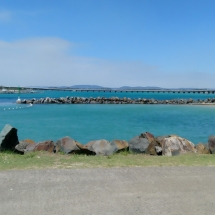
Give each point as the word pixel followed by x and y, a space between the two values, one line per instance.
pixel 90 122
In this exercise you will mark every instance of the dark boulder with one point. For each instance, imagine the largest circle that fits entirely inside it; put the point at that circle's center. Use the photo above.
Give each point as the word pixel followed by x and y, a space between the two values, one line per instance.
pixel 154 147
pixel 68 145
pixel 211 144
pixel 8 138
pixel 45 146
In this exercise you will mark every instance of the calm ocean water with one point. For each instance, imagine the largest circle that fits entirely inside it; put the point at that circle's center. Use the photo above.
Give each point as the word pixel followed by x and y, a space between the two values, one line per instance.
pixel 90 122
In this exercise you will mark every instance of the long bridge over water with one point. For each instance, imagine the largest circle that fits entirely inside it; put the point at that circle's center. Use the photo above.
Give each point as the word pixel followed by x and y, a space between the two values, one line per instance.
pixel 203 91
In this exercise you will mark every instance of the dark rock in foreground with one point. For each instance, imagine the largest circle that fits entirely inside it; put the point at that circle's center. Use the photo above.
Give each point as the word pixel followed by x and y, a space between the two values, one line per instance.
pixel 211 144
pixel 8 138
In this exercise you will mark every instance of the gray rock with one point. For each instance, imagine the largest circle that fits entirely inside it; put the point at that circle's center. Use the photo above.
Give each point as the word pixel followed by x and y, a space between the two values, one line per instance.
pixel 67 145
pixel 8 138
pixel 24 147
pixel 101 147
pixel 138 144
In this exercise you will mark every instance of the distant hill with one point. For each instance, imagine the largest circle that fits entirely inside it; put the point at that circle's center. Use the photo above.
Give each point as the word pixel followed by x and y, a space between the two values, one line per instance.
pixel 139 88
pixel 88 87
pixel 120 88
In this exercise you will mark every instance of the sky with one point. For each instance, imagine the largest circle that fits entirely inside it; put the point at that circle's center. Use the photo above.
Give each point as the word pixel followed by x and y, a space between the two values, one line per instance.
pixel 110 43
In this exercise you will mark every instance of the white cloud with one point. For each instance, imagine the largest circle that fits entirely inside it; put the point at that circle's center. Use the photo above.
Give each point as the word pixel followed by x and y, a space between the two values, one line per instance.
pixel 48 61
pixel 5 16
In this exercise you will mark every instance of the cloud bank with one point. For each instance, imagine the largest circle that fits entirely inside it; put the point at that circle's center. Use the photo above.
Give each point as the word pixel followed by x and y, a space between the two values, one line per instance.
pixel 52 62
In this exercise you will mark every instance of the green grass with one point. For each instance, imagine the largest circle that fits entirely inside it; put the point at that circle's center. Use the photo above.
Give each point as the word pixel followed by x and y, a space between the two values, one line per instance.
pixel 41 160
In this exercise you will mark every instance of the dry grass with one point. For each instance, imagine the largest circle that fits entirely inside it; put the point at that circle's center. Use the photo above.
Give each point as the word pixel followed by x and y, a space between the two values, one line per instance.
pixel 41 160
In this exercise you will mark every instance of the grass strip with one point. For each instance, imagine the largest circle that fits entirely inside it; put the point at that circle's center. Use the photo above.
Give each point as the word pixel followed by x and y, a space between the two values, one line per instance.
pixel 42 160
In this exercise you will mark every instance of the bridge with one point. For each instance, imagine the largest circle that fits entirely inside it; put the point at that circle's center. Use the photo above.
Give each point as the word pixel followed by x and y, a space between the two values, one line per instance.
pixel 203 91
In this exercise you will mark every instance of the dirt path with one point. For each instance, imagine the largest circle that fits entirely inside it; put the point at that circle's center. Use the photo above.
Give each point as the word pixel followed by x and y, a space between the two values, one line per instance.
pixel 124 191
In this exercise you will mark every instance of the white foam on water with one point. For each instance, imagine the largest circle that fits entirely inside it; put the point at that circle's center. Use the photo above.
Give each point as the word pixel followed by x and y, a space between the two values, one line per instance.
pixel 15 108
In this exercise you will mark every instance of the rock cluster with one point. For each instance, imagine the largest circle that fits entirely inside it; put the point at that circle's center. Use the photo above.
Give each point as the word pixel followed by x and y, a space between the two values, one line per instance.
pixel 114 100
pixel 145 143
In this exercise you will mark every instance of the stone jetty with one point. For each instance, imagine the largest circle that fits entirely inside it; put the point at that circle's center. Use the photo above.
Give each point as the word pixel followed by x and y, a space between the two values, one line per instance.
pixel 116 100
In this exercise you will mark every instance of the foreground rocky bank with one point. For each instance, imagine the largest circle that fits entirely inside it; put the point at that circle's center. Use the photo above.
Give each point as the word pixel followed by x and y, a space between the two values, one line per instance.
pixel 145 143
pixel 113 100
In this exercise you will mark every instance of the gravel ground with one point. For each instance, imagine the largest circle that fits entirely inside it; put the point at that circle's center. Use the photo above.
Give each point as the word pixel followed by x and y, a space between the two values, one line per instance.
pixel 139 190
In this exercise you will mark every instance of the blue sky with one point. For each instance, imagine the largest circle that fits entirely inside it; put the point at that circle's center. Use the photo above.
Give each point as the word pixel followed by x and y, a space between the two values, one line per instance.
pixel 112 43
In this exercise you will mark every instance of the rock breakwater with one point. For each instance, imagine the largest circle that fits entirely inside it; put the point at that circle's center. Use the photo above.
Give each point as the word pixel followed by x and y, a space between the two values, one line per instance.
pixel 116 100
pixel 145 143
